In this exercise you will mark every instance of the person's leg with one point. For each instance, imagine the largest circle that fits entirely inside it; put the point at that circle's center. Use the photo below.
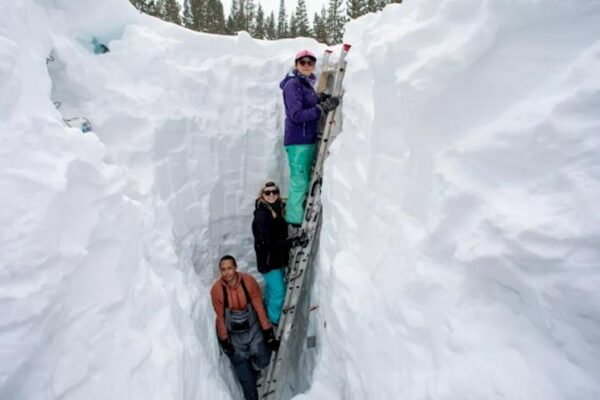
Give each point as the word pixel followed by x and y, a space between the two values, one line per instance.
pixel 246 375
pixel 274 294
pixel 300 158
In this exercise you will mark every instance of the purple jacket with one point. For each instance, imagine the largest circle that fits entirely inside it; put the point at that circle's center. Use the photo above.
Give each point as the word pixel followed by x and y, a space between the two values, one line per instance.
pixel 301 111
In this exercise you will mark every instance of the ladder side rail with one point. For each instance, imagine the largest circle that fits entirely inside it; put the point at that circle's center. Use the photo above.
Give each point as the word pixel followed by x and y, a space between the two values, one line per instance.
pixel 332 117
pixel 323 147
pixel 285 331
pixel 300 259
pixel 290 336
pixel 290 378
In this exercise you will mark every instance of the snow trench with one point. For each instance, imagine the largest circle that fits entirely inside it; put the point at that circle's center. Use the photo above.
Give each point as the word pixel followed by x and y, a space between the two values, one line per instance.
pixel 458 257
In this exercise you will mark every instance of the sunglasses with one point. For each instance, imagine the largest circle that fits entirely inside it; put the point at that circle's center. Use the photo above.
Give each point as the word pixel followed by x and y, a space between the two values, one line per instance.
pixel 306 61
pixel 270 192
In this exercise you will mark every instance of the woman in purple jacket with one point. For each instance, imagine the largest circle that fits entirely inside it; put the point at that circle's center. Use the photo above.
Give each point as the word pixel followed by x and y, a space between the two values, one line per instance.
pixel 303 108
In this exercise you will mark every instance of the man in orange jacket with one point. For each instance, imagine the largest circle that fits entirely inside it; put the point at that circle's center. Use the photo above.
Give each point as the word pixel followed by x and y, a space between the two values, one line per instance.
pixel 244 331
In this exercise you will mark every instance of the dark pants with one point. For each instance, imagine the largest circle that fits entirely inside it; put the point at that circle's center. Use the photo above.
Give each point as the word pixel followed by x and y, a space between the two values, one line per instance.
pixel 245 371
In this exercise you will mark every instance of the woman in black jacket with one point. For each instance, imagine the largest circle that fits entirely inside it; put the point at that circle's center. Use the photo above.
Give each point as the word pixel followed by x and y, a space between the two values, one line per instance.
pixel 272 247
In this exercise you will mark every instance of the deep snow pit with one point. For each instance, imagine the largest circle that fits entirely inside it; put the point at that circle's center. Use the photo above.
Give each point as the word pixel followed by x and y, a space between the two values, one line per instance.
pixel 458 257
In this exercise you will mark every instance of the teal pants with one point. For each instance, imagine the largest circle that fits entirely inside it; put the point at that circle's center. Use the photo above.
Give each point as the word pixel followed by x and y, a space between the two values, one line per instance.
pixel 274 293
pixel 300 158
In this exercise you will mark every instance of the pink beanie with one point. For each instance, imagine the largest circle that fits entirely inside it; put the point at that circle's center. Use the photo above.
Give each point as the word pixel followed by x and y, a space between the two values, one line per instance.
pixel 304 53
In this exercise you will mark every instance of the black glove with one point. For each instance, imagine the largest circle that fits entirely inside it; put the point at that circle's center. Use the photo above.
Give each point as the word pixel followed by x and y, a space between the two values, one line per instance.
pixel 301 240
pixel 227 347
pixel 329 104
pixel 270 341
pixel 323 96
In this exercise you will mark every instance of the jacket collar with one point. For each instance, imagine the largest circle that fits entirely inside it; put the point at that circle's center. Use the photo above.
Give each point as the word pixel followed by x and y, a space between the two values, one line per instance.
pixel 310 80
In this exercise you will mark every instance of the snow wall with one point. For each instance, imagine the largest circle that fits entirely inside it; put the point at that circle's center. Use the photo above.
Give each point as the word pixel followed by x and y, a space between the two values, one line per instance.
pixel 110 239
pixel 459 250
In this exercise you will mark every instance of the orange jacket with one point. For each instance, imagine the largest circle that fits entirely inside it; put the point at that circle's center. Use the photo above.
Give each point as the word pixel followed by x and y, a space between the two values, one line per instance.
pixel 237 301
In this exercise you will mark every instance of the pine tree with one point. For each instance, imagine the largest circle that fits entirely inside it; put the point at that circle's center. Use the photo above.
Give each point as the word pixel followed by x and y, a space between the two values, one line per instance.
pixel 293 32
pixel 170 10
pixel 240 17
pixel 232 19
pixel 373 5
pixel 139 4
pixel 250 21
pixel 159 9
pixel 270 28
pixel 188 16
pixel 155 8
pixel 147 6
pixel 356 8
pixel 282 25
pixel 195 15
pixel 378 5
pixel 215 20
pixel 319 28
pixel 335 22
pixel 302 24
pixel 259 24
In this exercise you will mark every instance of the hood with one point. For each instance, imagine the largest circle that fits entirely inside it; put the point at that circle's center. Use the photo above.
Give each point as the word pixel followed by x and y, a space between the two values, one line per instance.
pixel 310 80
pixel 289 76
pixel 278 206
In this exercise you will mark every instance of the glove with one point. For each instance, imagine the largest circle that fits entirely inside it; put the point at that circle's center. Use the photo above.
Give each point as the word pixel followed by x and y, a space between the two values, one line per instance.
pixel 323 96
pixel 270 341
pixel 227 347
pixel 329 104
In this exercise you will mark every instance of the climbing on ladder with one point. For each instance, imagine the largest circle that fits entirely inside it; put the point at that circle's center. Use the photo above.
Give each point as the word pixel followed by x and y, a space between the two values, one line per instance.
pixel 295 309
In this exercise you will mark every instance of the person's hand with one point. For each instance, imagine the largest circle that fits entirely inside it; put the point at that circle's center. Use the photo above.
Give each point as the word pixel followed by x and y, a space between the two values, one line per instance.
pixel 270 341
pixel 330 104
pixel 227 347
pixel 323 96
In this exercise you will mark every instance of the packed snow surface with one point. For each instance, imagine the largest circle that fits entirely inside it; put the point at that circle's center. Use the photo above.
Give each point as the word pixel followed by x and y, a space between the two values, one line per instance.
pixel 459 253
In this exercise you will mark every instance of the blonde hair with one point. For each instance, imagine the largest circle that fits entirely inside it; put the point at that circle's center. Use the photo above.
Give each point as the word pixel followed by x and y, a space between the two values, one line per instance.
pixel 261 198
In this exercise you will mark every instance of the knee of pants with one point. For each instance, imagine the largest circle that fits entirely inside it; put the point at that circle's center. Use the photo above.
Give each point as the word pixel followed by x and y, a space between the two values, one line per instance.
pixel 262 356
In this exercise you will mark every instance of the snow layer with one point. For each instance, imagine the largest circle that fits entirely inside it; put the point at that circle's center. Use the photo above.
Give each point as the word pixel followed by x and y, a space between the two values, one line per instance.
pixel 459 255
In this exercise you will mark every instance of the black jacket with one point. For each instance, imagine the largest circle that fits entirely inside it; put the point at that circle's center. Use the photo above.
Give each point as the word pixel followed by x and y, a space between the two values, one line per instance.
pixel 270 237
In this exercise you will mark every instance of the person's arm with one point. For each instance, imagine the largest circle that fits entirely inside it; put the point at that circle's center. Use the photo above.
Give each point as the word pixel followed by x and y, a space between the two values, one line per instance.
pixel 257 301
pixel 216 295
pixel 263 226
pixel 292 96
